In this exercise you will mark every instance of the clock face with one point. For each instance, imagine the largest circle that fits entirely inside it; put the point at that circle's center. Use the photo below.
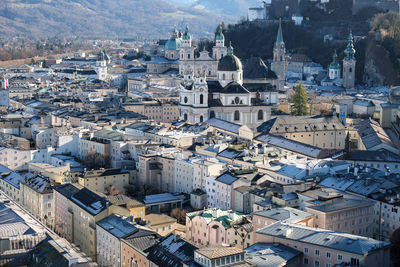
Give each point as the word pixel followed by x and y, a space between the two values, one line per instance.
pixel 201 89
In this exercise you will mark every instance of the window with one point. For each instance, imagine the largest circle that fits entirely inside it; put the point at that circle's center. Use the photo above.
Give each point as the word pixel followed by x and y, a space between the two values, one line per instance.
pixel 185 117
pixel 201 99
pixel 237 115
pixel 316 263
pixel 317 252
pixel 223 77
pixel 355 262
pixel 305 261
pixel 260 115
pixel 185 99
pixel 201 118
pixel 339 257
pixel 233 77
pixel 328 255
pixel 237 100
pixel 305 250
pixel 212 114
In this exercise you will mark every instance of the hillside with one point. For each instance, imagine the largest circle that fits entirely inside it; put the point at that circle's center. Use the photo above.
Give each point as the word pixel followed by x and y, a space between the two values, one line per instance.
pixel 101 18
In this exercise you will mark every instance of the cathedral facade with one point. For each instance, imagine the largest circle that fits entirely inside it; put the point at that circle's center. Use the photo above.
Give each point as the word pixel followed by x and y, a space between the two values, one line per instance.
pixel 225 96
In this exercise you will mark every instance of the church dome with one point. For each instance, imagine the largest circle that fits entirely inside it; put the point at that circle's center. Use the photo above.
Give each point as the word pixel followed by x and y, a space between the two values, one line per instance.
pixel 230 62
pixel 173 44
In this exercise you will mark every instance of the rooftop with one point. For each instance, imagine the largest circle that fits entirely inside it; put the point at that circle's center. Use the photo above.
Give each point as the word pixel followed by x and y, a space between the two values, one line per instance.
pixel 285 214
pixel 117 226
pixel 342 204
pixel 270 255
pixel 324 238
pixel 215 252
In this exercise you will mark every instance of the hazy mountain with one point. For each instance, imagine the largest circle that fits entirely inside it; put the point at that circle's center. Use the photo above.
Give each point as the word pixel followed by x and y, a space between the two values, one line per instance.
pixel 228 7
pixel 103 18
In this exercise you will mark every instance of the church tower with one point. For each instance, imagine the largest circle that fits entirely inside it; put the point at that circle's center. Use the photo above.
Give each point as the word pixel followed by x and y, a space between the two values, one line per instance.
pixel 219 50
pixel 186 52
pixel 279 60
pixel 349 64
pixel 334 68
pixel 101 67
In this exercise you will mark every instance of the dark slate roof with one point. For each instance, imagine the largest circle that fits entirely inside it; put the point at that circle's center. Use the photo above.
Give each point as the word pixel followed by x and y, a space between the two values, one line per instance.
pixel 214 86
pixel 89 201
pixel 67 190
pixel 255 68
pixel 173 253
pixel 229 63
pixel 143 240
pixel 234 88
pixel 259 87
pixel 226 178
pixel 368 155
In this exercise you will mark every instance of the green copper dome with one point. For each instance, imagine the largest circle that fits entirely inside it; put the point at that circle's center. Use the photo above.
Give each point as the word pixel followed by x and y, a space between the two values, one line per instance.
pixel 219 36
pixel 335 63
pixel 350 51
pixel 186 35
pixel 174 43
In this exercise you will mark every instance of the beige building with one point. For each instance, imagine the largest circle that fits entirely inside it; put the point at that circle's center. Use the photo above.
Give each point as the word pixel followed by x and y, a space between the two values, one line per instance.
pixel 345 215
pixel 126 206
pixel 10 183
pixel 37 197
pixel 264 218
pixel 154 110
pixel 323 132
pixel 102 180
pixel 98 145
pixel 54 173
pixel 160 223
pixel 327 248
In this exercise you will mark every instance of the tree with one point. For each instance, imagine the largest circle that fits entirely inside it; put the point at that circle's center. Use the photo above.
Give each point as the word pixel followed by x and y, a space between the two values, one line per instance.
pixel 179 214
pixel 299 101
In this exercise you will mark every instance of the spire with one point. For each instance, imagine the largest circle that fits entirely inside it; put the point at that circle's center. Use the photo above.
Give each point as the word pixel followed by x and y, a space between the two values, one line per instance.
pixel 230 49
pixel 335 63
pixel 279 37
pixel 350 51
pixel 219 35
pixel 186 35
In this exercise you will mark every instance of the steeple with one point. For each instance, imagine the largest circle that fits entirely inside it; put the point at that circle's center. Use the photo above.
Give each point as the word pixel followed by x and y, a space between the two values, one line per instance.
pixel 335 63
pixel 186 35
pixel 219 35
pixel 279 36
pixel 230 49
pixel 350 51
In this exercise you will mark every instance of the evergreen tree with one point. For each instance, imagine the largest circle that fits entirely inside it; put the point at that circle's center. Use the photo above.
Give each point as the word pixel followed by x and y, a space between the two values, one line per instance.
pixel 299 101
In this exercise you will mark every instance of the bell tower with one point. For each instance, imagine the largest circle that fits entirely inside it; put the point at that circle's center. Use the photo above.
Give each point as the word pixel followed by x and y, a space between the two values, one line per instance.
pixel 349 64
pixel 279 60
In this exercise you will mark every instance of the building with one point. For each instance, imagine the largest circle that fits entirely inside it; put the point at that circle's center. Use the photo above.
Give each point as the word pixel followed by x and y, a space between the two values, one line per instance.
pixel 104 179
pixel 37 197
pixel 10 183
pixel 279 62
pixel 228 98
pixel 349 64
pixel 271 255
pixel 172 251
pixel 126 206
pixel 322 132
pixel 345 215
pixel 334 68
pixel 218 227
pixel 264 218
pixel 325 247
pixel 80 209
pixel 203 64
pixel 160 223
pixel 219 256
pixel 259 13
pixel 109 232
pixel 136 247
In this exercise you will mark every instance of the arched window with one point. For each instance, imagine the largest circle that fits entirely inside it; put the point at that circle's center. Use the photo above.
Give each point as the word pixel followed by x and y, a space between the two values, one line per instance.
pixel 236 115
pixel 237 100
pixel 212 114
pixel 201 118
pixel 233 77
pixel 260 115
pixel 223 76
pixel 185 100
pixel 185 117
pixel 201 99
